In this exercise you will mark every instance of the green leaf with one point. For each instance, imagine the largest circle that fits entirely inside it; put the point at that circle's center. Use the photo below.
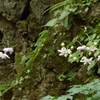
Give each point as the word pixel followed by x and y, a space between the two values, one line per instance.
pixel 52 22
pixel 87 89
pixel 66 22
pixel 91 65
pixel 64 14
pixel 65 97
pixel 39 46
pixel 47 98
pixel 3 87
pixel 24 58
pixel 75 57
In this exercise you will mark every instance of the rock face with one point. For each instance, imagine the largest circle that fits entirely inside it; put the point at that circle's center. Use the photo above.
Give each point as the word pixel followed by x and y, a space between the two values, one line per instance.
pixel 12 9
pixel 7 34
pixel 20 22
pixel 38 7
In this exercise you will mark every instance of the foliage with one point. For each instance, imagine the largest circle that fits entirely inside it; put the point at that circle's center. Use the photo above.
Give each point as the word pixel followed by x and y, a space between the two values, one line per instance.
pixel 64 11
pixel 42 40
pixel 88 37
pixel 91 90
pixel 63 97
pixel 26 61
pixel 69 77
pixel 86 44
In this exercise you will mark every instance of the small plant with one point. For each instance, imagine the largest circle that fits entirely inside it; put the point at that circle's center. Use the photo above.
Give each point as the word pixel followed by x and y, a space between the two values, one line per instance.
pixel 86 50
pixel 64 11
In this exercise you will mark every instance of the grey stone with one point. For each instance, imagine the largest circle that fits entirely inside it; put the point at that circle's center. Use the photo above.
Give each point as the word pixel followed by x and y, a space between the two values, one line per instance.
pixel 12 9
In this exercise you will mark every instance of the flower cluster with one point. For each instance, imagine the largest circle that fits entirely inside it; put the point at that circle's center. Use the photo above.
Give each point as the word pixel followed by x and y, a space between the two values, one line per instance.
pixel 80 55
pixel 3 55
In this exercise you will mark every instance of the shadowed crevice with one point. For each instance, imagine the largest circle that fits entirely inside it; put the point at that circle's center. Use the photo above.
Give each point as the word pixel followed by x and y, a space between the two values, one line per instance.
pixel 1 36
pixel 26 11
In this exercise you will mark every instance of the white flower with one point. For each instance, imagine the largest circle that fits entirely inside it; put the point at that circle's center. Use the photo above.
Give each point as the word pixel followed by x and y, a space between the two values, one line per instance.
pixel 4 56
pixel 86 60
pixel 84 48
pixel 64 52
pixel 92 49
pixel 69 51
pixel 98 59
pixel 81 48
pixel 10 50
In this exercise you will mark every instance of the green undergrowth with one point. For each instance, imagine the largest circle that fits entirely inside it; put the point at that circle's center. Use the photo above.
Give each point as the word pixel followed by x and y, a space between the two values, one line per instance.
pixel 89 37
pixel 90 91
